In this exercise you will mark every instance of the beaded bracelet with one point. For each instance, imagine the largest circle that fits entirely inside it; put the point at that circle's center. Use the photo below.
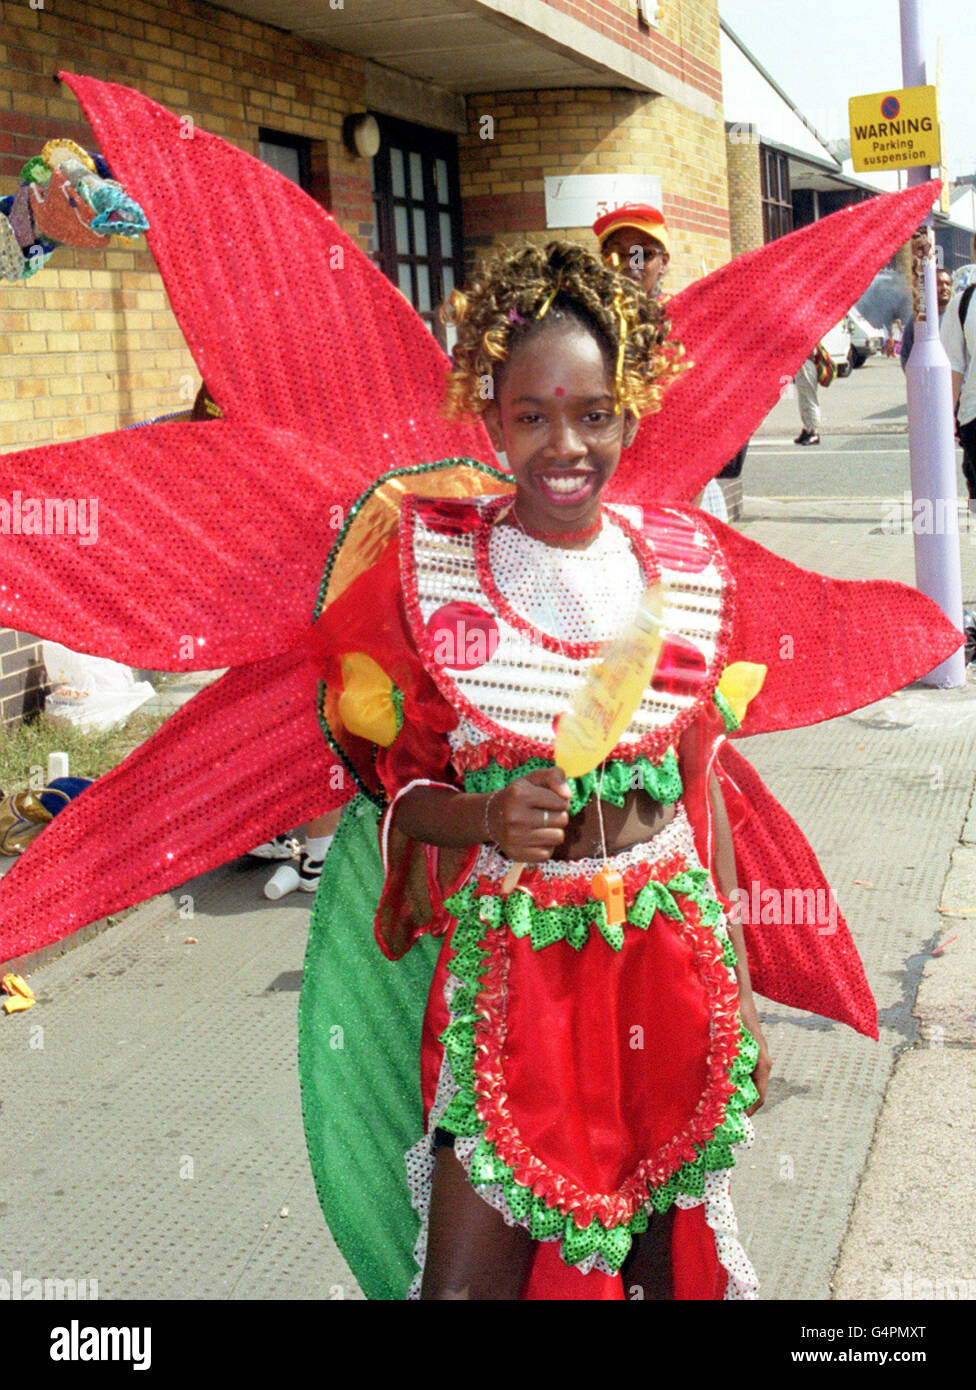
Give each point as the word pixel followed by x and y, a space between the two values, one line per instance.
pixel 489 837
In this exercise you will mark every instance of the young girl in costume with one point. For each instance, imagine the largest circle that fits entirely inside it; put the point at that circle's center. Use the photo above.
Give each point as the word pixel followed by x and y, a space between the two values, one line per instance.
pixel 593 1029
pixel 576 1089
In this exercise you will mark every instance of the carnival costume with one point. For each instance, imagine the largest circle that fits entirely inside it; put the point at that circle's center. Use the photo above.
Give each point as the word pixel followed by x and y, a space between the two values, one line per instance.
pixel 66 197
pixel 327 382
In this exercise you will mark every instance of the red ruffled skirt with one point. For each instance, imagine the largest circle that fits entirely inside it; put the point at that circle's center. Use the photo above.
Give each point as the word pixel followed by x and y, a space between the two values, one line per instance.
pixel 593 1074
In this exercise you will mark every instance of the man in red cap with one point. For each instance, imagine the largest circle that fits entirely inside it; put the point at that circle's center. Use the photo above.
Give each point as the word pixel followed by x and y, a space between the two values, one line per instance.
pixel 635 239
pixel 637 235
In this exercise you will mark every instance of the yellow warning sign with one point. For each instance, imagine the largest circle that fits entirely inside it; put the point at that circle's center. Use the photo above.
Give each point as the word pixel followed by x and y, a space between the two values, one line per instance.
pixel 891 130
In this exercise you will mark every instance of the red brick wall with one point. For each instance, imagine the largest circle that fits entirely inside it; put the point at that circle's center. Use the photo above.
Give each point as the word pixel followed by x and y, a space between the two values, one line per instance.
pixel 21 677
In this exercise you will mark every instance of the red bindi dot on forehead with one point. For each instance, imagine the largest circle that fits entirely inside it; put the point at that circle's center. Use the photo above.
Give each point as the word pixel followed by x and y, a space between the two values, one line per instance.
pixel 560 390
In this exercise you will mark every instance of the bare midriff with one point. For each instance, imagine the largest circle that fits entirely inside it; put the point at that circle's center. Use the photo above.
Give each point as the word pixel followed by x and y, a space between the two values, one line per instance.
pixel 638 820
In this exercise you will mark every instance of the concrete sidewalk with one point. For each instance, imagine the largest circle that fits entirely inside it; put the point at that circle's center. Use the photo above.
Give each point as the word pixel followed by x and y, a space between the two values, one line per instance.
pixel 884 796
pixel 152 1131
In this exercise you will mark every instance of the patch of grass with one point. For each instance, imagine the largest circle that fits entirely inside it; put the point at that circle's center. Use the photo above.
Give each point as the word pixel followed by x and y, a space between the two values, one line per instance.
pixel 25 747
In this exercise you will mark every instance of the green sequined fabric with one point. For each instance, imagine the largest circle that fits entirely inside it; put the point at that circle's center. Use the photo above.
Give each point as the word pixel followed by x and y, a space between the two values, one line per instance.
pixel 729 719
pixel 661 781
pixel 359 1028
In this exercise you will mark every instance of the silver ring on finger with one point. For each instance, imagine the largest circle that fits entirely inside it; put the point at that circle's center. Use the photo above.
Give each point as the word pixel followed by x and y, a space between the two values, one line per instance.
pixel 545 818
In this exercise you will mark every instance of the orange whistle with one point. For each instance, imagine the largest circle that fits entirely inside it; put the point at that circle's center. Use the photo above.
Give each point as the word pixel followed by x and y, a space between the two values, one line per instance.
pixel 607 886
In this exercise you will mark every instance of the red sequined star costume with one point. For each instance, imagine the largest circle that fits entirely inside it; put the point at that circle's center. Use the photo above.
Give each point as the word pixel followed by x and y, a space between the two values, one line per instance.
pixel 211 547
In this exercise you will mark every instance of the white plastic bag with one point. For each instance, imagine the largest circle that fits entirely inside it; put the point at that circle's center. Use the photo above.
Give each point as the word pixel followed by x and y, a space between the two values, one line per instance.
pixel 91 692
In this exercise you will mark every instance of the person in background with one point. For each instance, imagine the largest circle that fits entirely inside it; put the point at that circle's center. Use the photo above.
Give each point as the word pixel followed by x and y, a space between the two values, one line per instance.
pixel 634 238
pixel 943 284
pixel 806 385
pixel 286 878
pixel 964 275
pixel 958 334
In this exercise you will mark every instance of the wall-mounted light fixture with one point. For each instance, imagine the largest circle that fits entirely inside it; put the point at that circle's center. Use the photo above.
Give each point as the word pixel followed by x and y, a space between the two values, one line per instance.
pixel 650 12
pixel 361 134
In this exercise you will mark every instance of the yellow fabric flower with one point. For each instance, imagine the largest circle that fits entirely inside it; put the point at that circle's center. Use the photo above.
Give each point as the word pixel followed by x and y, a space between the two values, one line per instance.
pixel 366 705
pixel 741 683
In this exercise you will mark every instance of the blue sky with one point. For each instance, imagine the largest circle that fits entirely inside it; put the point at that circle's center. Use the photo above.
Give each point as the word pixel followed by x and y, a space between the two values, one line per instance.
pixel 823 51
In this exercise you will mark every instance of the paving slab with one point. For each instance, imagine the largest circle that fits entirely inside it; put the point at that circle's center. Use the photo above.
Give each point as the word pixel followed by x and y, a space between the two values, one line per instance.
pixel 884 830
pixel 959 892
pixel 912 1236
pixel 892 806
pixel 151 1122
pixel 946 1002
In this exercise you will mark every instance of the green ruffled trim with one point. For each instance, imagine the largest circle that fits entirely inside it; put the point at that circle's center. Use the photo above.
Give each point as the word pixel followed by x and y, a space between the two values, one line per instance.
pixel 661 781
pixel 572 923
pixel 730 956
pixel 487 1168
pixel 732 724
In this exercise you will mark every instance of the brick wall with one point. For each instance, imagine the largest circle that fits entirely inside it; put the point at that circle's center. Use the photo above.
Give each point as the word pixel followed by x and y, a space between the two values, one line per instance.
pixel 598 130
pixel 685 43
pixel 745 192
pixel 21 676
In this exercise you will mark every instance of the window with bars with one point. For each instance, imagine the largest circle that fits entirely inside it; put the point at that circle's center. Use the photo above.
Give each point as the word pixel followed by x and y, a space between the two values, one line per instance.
pixel 417 216
pixel 777 199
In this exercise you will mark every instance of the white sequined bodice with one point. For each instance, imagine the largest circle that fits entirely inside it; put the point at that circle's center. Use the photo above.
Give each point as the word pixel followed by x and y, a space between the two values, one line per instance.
pixel 573 595
pixel 508 626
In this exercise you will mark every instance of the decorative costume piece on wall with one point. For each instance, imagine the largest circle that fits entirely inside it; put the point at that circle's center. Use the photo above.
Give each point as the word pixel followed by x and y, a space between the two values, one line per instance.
pixel 66 197
pixel 266 492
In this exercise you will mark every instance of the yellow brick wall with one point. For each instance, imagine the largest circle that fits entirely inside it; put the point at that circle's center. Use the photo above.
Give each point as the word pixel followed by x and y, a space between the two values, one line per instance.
pixel 598 130
pixel 745 192
pixel 90 344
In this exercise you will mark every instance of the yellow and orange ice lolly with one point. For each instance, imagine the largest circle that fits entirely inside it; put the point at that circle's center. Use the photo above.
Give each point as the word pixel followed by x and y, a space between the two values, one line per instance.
pixel 605 702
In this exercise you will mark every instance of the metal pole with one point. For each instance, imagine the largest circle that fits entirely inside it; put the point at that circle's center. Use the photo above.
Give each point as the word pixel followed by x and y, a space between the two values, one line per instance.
pixel 931 442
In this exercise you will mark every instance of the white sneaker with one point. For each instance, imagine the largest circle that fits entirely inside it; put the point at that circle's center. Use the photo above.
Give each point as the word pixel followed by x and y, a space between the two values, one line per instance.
pixel 281 847
pixel 309 873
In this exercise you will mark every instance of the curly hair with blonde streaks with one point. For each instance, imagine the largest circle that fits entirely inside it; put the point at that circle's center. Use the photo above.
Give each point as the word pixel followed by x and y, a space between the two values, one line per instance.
pixel 513 296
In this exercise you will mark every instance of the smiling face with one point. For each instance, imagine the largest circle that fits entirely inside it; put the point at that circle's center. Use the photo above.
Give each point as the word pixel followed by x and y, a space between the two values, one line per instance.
pixel 553 417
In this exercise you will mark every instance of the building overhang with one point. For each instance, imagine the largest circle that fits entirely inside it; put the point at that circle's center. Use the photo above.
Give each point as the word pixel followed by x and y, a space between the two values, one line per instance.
pixel 466 47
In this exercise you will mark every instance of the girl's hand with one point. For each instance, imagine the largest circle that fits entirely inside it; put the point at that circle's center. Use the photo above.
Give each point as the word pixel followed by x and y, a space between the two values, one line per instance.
pixel 763 1067
pixel 527 819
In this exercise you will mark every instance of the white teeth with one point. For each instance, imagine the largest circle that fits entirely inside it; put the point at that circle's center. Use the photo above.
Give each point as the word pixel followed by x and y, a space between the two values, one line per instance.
pixel 566 485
